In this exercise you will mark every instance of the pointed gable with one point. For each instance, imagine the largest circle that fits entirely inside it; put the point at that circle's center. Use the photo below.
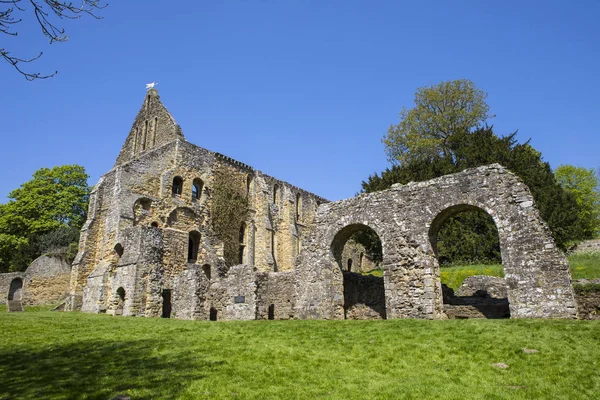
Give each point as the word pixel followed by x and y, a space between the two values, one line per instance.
pixel 153 127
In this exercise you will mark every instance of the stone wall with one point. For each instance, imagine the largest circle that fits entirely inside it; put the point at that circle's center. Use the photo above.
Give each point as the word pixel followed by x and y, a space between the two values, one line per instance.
pixel 46 281
pixel 407 219
pixel 275 295
pixel 588 246
pixel 364 296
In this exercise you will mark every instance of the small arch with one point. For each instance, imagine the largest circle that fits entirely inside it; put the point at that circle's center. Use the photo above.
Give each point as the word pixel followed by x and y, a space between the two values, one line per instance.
pixel 193 245
pixel 154 224
pixel 166 305
pixel 271 315
pixel 213 314
pixel 206 270
pixel 242 242
pixel 177 187
pixel 197 187
pixel 275 193
pixel 298 207
pixel 349 265
pixel 148 100
pixel 360 260
pixel 15 290
pixel 119 249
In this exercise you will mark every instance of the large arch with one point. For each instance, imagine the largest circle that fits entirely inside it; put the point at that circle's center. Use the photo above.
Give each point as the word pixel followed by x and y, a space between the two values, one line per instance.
pixel 406 216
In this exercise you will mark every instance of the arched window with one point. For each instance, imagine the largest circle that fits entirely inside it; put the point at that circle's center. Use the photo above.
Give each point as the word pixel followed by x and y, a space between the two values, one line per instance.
pixel 120 301
pixel 242 243
pixel 177 186
pixel 349 264
pixel 193 244
pixel 119 249
pixel 298 207
pixel 197 189
pixel 154 131
pixel 154 224
pixel 275 194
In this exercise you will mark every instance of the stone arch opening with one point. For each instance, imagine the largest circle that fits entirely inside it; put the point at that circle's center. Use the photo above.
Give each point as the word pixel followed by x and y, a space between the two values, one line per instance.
pixel 193 246
pixel 213 314
pixel 197 187
pixel 15 290
pixel 119 250
pixel 364 294
pixel 466 243
pixel 120 301
pixel 177 187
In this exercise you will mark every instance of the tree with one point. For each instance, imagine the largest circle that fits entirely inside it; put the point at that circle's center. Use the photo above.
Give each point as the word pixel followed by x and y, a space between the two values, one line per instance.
pixel 583 184
pixel 482 147
pixel 46 13
pixel 43 214
pixel 441 112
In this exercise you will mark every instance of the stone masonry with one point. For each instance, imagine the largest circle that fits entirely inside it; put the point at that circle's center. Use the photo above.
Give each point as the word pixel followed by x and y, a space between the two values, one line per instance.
pixel 148 246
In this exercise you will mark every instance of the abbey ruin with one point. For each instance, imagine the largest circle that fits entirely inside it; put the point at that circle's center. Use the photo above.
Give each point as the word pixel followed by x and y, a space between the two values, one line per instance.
pixel 150 248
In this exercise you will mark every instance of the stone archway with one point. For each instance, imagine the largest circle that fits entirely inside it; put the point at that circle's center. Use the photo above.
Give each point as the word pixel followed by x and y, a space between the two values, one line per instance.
pixel 15 290
pixel 363 294
pixel 483 296
pixel 536 272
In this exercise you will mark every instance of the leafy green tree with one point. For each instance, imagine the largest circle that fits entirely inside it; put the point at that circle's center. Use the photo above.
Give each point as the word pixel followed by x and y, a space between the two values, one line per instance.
pixel 43 214
pixel 583 184
pixel 482 147
pixel 441 112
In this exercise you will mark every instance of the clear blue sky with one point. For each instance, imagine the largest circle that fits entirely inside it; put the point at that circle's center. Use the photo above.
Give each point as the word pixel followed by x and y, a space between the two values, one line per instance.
pixel 302 90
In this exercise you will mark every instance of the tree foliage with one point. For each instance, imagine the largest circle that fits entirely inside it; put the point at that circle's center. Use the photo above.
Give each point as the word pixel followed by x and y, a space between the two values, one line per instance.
pixel 229 210
pixel 583 184
pixel 441 112
pixel 482 147
pixel 46 13
pixel 42 215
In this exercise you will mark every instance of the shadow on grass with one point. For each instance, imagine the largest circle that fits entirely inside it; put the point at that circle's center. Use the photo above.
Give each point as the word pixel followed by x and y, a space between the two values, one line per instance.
pixel 98 370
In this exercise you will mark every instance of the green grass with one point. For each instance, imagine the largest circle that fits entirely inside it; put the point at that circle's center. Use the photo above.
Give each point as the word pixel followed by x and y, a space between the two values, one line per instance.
pixel 53 355
pixel 585 265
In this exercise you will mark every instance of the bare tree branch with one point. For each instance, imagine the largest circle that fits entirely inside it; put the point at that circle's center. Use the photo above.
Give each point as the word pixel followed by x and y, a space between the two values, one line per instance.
pixel 46 13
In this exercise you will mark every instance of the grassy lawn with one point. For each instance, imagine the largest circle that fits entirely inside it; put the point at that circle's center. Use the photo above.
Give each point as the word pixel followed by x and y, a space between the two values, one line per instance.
pixel 585 265
pixel 53 355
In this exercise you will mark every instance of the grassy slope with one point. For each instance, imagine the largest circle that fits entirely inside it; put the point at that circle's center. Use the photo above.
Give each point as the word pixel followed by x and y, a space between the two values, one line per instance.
pixel 74 355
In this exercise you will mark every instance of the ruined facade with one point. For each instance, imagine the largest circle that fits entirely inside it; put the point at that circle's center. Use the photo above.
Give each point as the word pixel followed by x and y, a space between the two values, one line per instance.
pixel 149 246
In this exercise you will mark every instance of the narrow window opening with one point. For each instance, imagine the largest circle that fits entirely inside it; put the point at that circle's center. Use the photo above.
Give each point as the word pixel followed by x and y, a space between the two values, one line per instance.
pixel 154 132
pixel 145 135
pixel 349 265
pixel 271 311
pixel 242 243
pixel 273 252
pixel 177 186
pixel 148 100
pixel 298 207
pixel 249 186
pixel 206 269
pixel 197 187
pixel 360 261
pixel 213 314
pixel 275 194
pixel 166 306
pixel 135 139
pixel 120 301
pixel 193 244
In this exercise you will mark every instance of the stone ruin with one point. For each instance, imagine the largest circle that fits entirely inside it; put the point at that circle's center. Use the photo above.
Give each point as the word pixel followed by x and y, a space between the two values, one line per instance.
pixel 148 247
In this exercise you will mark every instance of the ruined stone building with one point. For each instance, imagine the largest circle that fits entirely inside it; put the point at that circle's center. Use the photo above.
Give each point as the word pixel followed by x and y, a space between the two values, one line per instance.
pixel 150 247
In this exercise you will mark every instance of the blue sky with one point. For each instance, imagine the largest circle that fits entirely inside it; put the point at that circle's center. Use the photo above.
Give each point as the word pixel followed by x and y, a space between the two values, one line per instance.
pixel 302 90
